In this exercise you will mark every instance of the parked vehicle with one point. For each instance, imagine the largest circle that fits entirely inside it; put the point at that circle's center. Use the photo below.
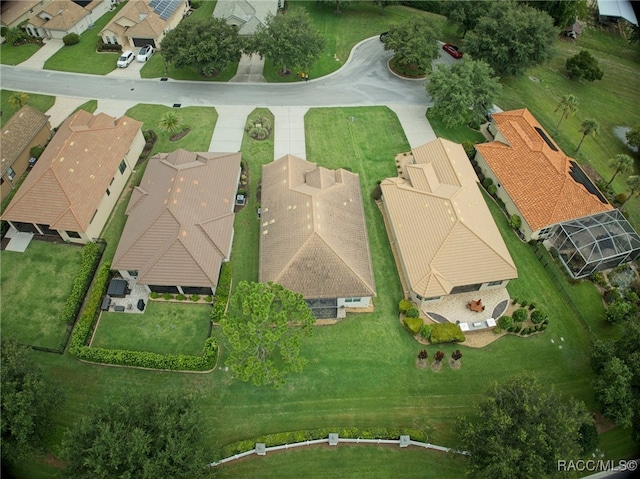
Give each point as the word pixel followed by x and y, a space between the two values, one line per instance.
pixel 383 36
pixel 452 50
pixel 145 53
pixel 125 59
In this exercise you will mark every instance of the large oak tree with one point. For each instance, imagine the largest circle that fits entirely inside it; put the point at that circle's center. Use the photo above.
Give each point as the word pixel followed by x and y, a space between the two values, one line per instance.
pixel 264 326
pixel 414 42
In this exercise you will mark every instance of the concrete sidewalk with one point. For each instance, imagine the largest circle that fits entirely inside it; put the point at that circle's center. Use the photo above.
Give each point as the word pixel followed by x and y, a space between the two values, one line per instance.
pixel 227 135
pixel 62 108
pixel 289 131
pixel 38 59
pixel 416 127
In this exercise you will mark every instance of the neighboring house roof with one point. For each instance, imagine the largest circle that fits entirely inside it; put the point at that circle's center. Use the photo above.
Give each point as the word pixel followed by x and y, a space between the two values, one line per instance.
pixel 11 10
pixel 67 184
pixel 546 185
pixel 618 8
pixel 248 15
pixel 64 15
pixel 180 219
pixel 313 234
pixel 18 133
pixel 144 18
pixel 444 231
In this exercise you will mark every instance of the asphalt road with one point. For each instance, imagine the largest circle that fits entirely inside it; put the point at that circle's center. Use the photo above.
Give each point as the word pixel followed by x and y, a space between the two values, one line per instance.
pixel 364 80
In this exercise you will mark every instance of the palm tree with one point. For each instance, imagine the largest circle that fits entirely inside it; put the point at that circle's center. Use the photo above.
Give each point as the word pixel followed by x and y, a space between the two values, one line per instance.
pixel 18 100
pixel 170 122
pixel 622 164
pixel 633 182
pixel 589 127
pixel 568 105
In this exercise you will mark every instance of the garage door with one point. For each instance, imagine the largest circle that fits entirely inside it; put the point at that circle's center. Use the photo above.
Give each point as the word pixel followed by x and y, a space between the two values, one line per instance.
pixel 141 42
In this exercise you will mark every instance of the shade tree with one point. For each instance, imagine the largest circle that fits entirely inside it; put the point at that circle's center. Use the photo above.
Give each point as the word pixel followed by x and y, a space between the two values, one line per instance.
pixel 583 66
pixel 414 43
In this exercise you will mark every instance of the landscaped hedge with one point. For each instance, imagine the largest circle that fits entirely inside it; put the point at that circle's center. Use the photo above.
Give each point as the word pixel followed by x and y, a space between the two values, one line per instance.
pixel 446 333
pixel 144 359
pixel 404 305
pixel 520 315
pixel 90 257
pixel 413 324
pixel 84 327
pixel 291 437
pixel 222 293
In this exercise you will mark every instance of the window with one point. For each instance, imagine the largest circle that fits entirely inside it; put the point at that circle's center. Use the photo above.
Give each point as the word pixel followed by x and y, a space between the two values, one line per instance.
pixel 494 283
pixel 73 234
pixel 133 273
pixel 122 167
pixel 11 174
pixel 107 39
pixel 351 300
pixel 108 192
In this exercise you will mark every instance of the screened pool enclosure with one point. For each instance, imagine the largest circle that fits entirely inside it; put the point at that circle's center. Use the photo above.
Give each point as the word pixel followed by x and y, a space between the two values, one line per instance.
pixel 595 243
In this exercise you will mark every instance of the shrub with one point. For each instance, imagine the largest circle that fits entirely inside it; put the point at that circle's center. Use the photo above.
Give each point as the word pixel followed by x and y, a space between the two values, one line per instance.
pixel 524 303
pixel 412 312
pixel 425 331
pixel 598 278
pixel 469 149
pixel 538 316
pixel 487 182
pixel 195 4
pixel 532 306
pixel 439 356
pixel 194 297
pixel 500 202
pixel 413 324
pixel 108 47
pixel 505 322
pixel 620 311
pixel 620 198
pixel 36 151
pixel 90 257
pixel 612 295
pixel 446 333
pixel 154 295
pixel 520 315
pixel 222 293
pixel 492 189
pixel 166 296
pixel 517 328
pixel 456 355
pixel 181 297
pixel 422 355
pixel 515 221
pixel 514 301
pixel 71 39
pixel 404 305
pixel 208 298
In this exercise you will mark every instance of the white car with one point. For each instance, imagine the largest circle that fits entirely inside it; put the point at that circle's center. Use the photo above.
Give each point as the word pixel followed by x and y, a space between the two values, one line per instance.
pixel 145 53
pixel 126 58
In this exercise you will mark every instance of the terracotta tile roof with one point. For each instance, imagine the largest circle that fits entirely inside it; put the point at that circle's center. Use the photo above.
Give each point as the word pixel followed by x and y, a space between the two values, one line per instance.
pixel 68 182
pixel 536 177
pixel 444 232
pixel 65 14
pixel 313 234
pixel 18 133
pixel 145 22
pixel 180 219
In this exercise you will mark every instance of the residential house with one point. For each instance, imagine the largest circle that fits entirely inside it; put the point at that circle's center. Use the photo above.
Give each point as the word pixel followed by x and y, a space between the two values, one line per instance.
pixel 179 228
pixel 143 22
pixel 445 237
pixel 534 178
pixel 247 15
pixel 313 236
pixel 25 129
pixel 75 184
pixel 15 12
pixel 61 17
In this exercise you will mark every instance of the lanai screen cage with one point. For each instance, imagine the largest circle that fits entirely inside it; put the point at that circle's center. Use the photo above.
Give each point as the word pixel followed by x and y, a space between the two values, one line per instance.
pixel 595 243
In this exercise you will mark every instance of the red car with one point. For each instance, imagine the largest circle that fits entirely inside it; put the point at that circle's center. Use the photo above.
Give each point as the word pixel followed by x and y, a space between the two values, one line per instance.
pixel 452 50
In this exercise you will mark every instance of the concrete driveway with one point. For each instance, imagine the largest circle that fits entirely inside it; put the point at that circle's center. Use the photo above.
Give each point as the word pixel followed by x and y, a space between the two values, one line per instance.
pixel 38 59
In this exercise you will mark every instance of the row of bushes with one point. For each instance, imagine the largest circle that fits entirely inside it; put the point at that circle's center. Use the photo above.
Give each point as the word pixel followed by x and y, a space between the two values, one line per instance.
pixel 180 297
pixel 90 257
pixel 517 329
pixel 291 437
pixel 84 327
pixel 144 359
pixel 413 324
pixel 222 293
pixel 523 303
pixel 446 333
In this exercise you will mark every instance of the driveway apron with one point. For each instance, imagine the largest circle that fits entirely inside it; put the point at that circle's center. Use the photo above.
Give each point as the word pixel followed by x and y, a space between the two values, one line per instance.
pixel 416 127
pixel 289 131
pixel 227 135
pixel 38 59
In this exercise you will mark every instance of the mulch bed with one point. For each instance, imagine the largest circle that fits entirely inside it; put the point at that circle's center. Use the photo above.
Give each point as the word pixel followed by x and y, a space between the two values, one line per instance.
pixel 180 136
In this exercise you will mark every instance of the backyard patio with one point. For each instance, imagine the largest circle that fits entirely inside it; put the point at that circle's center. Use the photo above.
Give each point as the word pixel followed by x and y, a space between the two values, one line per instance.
pixel 454 308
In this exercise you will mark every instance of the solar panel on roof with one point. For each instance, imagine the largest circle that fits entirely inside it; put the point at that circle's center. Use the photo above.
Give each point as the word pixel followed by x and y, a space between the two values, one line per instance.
pixel 164 8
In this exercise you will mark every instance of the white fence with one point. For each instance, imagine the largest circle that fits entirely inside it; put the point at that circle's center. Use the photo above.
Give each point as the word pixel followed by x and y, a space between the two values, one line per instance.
pixel 334 440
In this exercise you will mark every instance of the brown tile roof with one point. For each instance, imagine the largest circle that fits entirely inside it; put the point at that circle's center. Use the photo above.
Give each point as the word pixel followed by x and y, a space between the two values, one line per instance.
pixel 65 14
pixel 68 182
pixel 18 133
pixel 146 23
pixel 445 234
pixel 180 219
pixel 536 177
pixel 313 234
pixel 11 10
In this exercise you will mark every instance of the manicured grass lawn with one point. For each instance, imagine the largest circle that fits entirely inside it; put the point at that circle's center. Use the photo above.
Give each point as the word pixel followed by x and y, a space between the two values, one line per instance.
pixel 611 101
pixel 361 371
pixel 35 287
pixel 201 120
pixel 10 55
pixel 83 57
pixel 246 240
pixel 458 134
pixel 343 31
pixel 91 106
pixel 39 102
pixel 164 328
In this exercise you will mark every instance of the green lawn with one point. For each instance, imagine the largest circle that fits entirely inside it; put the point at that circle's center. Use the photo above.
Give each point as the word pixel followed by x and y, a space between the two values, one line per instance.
pixel 35 287
pixel 611 101
pixel 361 371
pixel 201 120
pixel 246 240
pixel 164 328
pixel 91 106
pixel 343 31
pixel 39 102
pixel 10 55
pixel 83 57
pixel 458 134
